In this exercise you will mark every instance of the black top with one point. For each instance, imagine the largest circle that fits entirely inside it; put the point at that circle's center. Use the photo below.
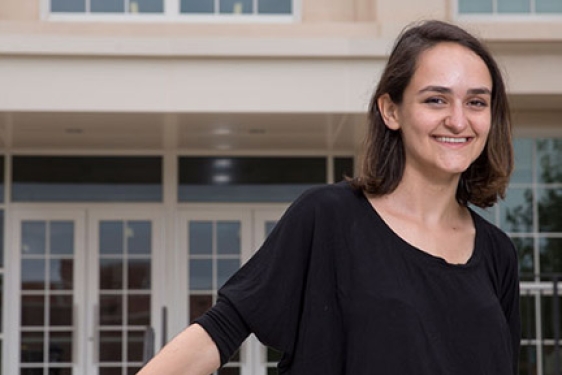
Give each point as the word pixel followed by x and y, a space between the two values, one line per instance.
pixel 336 290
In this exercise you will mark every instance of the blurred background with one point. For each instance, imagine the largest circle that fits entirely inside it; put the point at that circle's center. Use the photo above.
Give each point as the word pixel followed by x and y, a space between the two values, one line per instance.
pixel 147 147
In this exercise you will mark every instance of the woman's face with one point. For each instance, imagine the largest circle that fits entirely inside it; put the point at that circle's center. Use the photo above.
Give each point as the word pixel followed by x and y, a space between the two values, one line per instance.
pixel 445 114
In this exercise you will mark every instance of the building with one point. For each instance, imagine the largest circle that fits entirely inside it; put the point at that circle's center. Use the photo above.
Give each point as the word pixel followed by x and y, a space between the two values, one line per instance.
pixel 147 147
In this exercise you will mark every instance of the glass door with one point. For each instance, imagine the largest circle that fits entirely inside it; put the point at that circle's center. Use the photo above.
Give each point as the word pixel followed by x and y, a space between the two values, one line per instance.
pixel 50 256
pixel 124 295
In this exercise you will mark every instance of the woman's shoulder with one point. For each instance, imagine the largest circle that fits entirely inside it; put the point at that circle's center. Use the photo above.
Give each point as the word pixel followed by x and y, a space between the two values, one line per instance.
pixel 340 195
pixel 497 242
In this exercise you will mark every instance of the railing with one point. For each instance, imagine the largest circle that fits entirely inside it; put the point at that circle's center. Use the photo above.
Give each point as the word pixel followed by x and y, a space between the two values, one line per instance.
pixel 541 324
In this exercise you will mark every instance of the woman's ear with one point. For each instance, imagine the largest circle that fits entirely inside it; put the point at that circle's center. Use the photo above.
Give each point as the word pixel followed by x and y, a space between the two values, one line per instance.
pixel 389 112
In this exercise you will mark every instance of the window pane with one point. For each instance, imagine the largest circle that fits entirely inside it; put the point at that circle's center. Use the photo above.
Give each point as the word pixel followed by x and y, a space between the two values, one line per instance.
pixel 60 348
pixel 61 310
pixel 146 6
pixel 111 274
pixel 110 344
pixel 139 237
pixel 549 160
pixel 87 179
pixel 139 311
pixel 523 167
pixel 524 248
pixel 1 238
pixel 548 6
pixel 229 371
pixel 236 6
pixel 111 310
pixel 228 237
pixel 139 274
pixel 33 234
pixel 62 237
pixel 343 167
pixel 200 275
pixel 528 360
pixel 549 319
pixel 61 274
pixel 475 6
pixel 197 6
pixel 33 274
pixel 550 210
pixel 68 5
pixel 107 6
pixel 528 317
pixel 514 6
pixel 275 6
pixel 516 211
pixel 225 269
pixel 111 237
pixel 201 237
pixel 198 305
pixel 135 340
pixel 32 344
pixel 248 179
pixel 551 255
pixel 33 310
pixel 488 214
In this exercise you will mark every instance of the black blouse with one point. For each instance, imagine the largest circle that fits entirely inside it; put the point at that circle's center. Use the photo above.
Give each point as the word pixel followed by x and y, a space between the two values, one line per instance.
pixel 339 293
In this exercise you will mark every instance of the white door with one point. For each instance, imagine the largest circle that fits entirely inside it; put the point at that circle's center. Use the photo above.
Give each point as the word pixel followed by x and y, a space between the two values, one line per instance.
pixel 88 291
pixel 214 243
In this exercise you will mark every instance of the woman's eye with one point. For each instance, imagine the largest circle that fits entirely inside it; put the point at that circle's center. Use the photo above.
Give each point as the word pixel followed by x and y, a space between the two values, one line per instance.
pixel 478 103
pixel 435 101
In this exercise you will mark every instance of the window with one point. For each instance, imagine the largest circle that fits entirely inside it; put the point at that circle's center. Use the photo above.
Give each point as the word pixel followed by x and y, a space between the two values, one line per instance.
pixel 86 179
pixel 531 214
pixel 522 7
pixel 175 7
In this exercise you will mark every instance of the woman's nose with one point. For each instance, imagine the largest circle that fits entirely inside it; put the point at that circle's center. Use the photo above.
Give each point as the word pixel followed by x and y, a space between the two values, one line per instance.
pixel 456 120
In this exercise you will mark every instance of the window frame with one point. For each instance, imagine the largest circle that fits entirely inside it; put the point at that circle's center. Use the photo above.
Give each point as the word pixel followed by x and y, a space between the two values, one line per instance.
pixel 171 13
pixel 496 16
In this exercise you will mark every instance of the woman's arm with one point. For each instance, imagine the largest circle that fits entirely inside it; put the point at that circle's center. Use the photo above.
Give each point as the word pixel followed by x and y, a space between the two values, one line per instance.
pixel 192 352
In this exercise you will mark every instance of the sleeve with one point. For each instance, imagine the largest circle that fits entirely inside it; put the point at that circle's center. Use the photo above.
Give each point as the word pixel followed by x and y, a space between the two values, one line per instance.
pixel 510 303
pixel 265 296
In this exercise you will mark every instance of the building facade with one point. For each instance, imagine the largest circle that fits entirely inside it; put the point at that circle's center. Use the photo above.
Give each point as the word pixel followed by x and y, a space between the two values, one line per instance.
pixel 148 146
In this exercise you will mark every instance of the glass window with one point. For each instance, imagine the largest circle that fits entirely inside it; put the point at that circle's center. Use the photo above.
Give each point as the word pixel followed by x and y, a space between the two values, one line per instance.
pixel 146 6
pixel 514 6
pixel 87 179
pixel 68 6
pixel 248 179
pixel 476 6
pixel 343 167
pixel 197 6
pixel 107 6
pixel 548 6
pixel 275 7
pixel 236 6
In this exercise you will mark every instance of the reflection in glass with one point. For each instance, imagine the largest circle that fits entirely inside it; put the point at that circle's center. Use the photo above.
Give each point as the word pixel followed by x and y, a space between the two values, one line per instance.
pixel 111 237
pixel 111 274
pixel 139 274
pixel 528 317
pixel 201 237
pixel 514 6
pixel 225 269
pixel 107 6
pixel 516 212
pixel 549 360
pixel 523 166
pixel 110 346
pixel 111 310
pixel 62 237
pixel 60 347
pixel 33 234
pixel 551 255
pixel 139 237
pixel 548 6
pixel 277 7
pixel 197 6
pixel 198 305
pixel 68 6
pixel 524 248
pixel 33 274
pixel 32 347
pixel 228 237
pixel 33 310
pixel 475 6
pixel 139 310
pixel 135 340
pixel 548 317
pixel 236 6
pixel 60 310
pixel 200 275
pixel 61 274
pixel 549 160
pixel 550 210
pixel 528 360
pixel 146 6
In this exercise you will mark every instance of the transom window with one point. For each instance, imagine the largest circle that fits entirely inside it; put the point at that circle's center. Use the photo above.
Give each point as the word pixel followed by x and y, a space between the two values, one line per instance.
pixel 174 7
pixel 521 7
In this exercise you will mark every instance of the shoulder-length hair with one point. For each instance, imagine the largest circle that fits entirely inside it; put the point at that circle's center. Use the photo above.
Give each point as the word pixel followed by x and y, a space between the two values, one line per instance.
pixel 383 162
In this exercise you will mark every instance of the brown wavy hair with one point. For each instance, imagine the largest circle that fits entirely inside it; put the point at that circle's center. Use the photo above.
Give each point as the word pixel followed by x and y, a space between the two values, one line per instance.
pixel 383 162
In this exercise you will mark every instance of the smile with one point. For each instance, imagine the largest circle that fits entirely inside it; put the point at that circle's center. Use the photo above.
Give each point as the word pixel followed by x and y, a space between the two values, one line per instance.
pixel 452 140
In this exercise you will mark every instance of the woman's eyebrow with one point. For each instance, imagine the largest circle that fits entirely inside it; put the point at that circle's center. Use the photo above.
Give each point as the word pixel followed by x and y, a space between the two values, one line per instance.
pixel 447 90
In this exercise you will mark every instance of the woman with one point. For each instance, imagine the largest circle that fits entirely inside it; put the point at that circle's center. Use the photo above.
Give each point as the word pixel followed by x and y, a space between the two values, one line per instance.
pixel 390 273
